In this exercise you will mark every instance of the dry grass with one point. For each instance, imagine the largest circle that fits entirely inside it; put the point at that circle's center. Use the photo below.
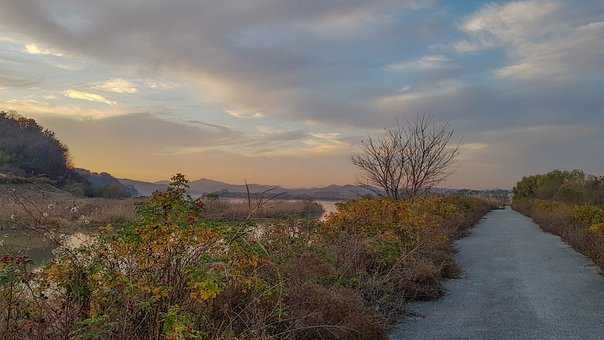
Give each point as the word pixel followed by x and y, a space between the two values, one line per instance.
pixel 240 209
pixel 24 207
pixel 19 202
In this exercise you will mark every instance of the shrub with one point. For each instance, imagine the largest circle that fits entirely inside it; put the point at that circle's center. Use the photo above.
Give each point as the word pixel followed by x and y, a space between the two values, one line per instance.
pixel 401 248
pixel 172 273
pixel 563 186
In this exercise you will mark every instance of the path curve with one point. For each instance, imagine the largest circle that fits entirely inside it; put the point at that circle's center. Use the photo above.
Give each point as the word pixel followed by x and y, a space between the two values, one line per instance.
pixel 518 283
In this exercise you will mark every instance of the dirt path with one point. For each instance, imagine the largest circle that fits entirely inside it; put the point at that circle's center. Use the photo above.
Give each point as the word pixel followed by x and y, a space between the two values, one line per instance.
pixel 519 283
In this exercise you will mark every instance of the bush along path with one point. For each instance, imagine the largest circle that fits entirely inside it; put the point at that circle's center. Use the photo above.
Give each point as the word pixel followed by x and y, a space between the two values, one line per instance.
pixel 569 204
pixel 518 283
pixel 173 274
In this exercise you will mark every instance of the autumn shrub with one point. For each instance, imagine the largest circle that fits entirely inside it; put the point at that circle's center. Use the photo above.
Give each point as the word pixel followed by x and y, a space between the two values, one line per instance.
pixel 393 249
pixel 171 273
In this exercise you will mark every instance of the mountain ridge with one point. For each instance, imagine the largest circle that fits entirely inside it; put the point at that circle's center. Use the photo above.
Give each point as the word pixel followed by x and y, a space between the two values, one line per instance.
pixel 332 192
pixel 205 186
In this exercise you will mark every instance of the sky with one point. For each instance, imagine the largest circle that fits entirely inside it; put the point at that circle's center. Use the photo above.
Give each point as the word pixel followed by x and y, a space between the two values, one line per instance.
pixel 282 91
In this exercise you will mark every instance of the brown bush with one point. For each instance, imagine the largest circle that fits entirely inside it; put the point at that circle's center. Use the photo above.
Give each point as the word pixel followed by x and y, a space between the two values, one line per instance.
pixel 331 313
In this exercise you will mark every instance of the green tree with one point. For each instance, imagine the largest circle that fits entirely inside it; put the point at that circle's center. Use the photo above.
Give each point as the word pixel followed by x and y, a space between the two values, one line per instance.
pixel 564 186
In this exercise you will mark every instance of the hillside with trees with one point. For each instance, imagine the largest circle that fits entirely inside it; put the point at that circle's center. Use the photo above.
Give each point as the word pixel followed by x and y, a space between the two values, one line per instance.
pixel 28 151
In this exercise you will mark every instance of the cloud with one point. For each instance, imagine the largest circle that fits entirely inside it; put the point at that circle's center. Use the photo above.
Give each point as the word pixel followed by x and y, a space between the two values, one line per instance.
pixel 9 81
pixel 513 21
pixel 543 39
pixel 409 98
pixel 245 58
pixel 243 114
pixel 35 49
pixel 91 97
pixel 465 46
pixel 118 86
pixel 426 63
pixel 297 144
pixel 428 69
pixel 160 85
pixel 473 146
pixel 314 68
pixel 43 108
pixel 145 146
pixel 271 142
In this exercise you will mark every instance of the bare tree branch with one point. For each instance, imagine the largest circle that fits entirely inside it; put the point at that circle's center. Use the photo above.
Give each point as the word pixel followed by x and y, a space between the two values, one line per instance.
pixel 429 155
pixel 409 159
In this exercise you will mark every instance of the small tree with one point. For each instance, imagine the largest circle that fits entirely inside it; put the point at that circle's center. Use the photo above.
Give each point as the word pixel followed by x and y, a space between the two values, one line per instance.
pixel 429 154
pixel 409 159
pixel 382 162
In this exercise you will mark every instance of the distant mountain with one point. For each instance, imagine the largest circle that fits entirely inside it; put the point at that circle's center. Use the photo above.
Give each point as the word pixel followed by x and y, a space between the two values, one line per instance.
pixel 328 193
pixel 206 186
pixel 104 185
pixel 332 192
pixel 144 188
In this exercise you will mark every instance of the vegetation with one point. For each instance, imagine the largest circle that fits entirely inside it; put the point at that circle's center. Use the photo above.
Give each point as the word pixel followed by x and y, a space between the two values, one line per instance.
pixel 21 206
pixel 28 201
pixel 28 148
pixel 173 273
pixel 408 160
pixel 568 204
pixel 562 186
pixel 64 211
pixel 225 209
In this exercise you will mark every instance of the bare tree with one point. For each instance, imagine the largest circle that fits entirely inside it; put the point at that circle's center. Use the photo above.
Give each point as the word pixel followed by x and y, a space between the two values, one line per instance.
pixel 409 159
pixel 257 201
pixel 381 161
pixel 429 154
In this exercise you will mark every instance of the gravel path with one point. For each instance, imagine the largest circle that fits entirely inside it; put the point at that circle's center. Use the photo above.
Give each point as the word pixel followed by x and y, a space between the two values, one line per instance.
pixel 519 283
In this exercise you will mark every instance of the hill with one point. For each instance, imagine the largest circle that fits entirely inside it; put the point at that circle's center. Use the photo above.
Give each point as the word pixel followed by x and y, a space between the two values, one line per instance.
pixel 30 152
pixel 27 149
pixel 104 185
pixel 144 188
